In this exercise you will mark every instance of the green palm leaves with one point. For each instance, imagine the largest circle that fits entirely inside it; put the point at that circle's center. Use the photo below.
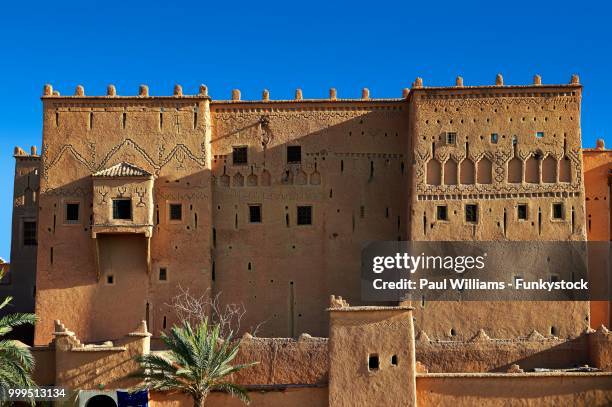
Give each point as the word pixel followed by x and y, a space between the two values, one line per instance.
pixel 197 362
pixel 16 361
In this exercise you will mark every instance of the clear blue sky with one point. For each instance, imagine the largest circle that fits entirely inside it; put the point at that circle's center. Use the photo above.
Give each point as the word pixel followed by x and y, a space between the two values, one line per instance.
pixel 311 44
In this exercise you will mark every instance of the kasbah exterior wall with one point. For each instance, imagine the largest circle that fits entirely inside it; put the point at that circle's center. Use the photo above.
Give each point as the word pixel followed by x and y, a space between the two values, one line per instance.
pixel 355 157
pixel 598 181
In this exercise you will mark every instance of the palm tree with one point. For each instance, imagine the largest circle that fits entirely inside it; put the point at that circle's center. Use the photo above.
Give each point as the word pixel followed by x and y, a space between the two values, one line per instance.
pixel 197 361
pixel 16 360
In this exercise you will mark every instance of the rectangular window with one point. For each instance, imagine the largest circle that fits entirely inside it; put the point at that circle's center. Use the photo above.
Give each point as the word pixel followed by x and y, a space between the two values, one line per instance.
pixel 110 279
pixel 122 209
pixel 255 213
pixel 442 212
pixel 163 274
pixel 29 233
pixel 557 211
pixel 72 212
pixel 494 138
pixel 373 362
pixel 176 211
pixel 522 211
pixel 451 138
pixel 294 154
pixel 240 155
pixel 304 215
pixel 471 213
pixel 540 134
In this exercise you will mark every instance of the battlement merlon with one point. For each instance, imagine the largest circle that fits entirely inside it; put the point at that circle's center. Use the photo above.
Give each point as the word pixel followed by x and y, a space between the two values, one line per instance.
pixel 20 154
pixel 497 89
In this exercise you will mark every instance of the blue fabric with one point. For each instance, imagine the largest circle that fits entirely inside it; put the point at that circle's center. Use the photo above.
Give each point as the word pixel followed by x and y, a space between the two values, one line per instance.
pixel 136 399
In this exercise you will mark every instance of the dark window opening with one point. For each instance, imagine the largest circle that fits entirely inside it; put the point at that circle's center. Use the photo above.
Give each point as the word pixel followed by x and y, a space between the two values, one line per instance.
pixel 557 211
pixel 122 209
pixel 494 138
pixel 110 279
pixel 294 154
pixel 163 274
pixel 72 212
pixel 394 360
pixel 471 213
pixel 304 215
pixel 451 138
pixel 522 212
pixel 29 234
pixel 176 211
pixel 255 213
pixel 240 155
pixel 442 212
pixel 373 362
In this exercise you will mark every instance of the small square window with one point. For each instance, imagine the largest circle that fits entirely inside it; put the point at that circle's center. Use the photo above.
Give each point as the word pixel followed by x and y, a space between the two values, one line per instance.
pixel 163 274
pixel 304 215
pixel 522 211
pixel 176 211
pixel 373 362
pixel 557 211
pixel 294 154
pixel 72 212
pixel 122 209
pixel 110 279
pixel 494 138
pixel 451 138
pixel 255 213
pixel 29 233
pixel 240 155
pixel 471 213
pixel 540 134
pixel 442 212
pixel 394 360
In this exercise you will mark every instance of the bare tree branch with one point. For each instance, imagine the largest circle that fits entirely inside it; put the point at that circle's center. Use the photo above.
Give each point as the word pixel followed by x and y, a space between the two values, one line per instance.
pixel 194 309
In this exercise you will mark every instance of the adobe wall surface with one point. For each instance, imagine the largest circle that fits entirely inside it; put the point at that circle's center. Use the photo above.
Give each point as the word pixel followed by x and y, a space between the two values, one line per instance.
pixel 356 174
pixel 597 167
pixel 352 171
pixel 167 137
pixel 298 397
pixel 597 180
pixel 284 361
pixel 533 389
pixel 372 356
pixel 21 282
pixel 517 145
pixel 483 354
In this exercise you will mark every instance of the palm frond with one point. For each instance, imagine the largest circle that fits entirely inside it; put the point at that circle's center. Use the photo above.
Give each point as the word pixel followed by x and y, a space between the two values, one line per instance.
pixel 234 390
pixel 196 362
